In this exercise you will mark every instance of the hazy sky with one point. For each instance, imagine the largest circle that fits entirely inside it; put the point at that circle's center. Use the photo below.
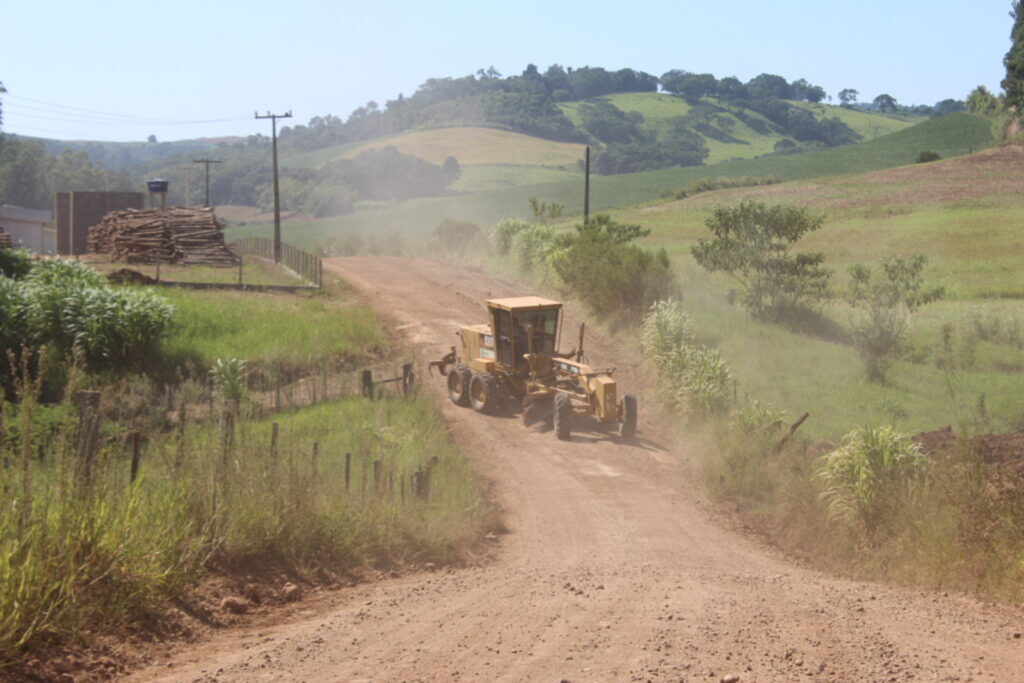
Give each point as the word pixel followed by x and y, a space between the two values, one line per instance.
pixel 188 69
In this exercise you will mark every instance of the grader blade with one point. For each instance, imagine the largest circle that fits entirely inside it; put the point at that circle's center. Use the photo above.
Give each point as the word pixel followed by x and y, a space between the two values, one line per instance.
pixel 538 410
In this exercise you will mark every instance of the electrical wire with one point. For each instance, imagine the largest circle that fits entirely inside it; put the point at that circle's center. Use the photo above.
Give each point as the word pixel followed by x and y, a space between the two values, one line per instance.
pixel 125 118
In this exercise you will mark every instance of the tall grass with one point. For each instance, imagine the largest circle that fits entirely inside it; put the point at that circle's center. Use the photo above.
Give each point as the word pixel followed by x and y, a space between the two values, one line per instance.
pixel 95 549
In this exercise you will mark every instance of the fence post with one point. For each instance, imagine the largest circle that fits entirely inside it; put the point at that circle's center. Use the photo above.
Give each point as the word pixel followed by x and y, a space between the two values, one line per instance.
pixel 88 434
pixel 348 471
pixel 182 417
pixel 376 474
pixel 407 378
pixel 136 454
pixel 368 383
pixel 240 263
pixel 273 441
pixel 316 454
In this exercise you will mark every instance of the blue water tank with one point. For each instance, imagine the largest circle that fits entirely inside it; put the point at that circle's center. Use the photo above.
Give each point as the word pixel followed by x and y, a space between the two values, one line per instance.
pixel 158 185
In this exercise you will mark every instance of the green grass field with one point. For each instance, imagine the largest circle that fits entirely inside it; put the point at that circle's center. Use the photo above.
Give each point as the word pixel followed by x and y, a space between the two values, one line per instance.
pixel 286 330
pixel 659 107
pixel 949 136
pixel 469 145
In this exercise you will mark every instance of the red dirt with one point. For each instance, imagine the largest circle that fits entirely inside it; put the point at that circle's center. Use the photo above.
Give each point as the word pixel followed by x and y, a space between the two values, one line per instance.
pixel 612 570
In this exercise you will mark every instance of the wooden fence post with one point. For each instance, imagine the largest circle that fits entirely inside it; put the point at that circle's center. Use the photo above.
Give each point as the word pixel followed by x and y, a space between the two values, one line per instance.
pixel 88 434
pixel 136 454
pixel 368 383
pixel 316 454
pixel 376 474
pixel 273 441
pixel 408 377
pixel 182 418
pixel 348 471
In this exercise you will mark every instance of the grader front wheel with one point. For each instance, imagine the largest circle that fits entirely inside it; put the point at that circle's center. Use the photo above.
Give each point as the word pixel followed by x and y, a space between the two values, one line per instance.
pixel 628 427
pixel 563 416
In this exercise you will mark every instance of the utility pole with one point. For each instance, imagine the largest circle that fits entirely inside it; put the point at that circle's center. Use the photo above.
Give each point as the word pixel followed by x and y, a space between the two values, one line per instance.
pixel 586 190
pixel 206 162
pixel 277 195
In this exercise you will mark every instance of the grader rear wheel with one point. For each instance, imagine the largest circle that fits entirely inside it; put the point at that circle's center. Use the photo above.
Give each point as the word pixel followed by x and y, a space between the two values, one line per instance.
pixel 563 416
pixel 483 392
pixel 459 378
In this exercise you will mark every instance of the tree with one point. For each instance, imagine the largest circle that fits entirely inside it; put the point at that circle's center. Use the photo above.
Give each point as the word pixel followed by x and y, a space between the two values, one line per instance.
pixel 886 302
pixel 768 86
pixel 848 97
pixel 450 168
pixel 885 102
pixel 151 138
pixel 982 101
pixel 2 90
pixel 1013 83
pixel 753 244
pixel 947 106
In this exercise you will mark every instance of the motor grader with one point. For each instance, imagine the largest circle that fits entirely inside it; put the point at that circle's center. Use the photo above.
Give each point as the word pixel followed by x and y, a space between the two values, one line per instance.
pixel 515 357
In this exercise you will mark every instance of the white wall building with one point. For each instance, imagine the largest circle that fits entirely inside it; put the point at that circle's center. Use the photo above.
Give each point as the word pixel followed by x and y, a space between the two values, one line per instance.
pixel 28 228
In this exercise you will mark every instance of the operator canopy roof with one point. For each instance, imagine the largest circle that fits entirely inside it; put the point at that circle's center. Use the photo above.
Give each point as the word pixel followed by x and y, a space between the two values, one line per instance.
pixel 516 303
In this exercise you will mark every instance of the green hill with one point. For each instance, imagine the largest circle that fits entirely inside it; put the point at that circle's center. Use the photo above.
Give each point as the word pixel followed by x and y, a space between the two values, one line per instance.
pixel 949 136
pixel 658 108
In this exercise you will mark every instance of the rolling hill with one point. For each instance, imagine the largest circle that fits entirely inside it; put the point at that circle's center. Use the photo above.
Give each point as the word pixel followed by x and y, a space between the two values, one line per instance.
pixel 949 136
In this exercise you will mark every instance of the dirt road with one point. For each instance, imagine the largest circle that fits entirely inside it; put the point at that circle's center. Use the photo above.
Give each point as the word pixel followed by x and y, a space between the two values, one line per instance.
pixel 612 569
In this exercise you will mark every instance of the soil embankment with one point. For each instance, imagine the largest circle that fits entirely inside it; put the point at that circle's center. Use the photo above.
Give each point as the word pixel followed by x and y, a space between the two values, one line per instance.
pixel 612 570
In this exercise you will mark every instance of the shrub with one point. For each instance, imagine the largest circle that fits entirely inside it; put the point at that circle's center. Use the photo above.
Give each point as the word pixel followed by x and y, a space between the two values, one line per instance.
pixel 504 232
pixel 925 157
pixel 870 476
pixel 15 263
pixel 454 237
pixel 885 303
pixel 753 244
pixel 692 378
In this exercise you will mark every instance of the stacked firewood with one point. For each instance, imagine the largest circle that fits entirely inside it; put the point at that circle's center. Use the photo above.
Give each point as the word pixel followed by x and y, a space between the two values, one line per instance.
pixel 5 240
pixel 189 236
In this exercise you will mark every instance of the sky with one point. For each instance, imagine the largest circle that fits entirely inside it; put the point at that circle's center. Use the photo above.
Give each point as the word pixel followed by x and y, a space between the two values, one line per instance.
pixel 126 70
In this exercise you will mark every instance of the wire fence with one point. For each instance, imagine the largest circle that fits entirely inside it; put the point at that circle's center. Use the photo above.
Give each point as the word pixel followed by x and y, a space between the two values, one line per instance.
pixel 301 262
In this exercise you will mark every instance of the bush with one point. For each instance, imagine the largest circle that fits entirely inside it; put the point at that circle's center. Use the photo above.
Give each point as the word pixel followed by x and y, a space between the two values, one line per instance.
pixel 453 237
pixel 752 244
pixel 870 476
pixel 15 263
pixel 886 302
pixel 65 305
pixel 504 232
pixel 693 379
pixel 925 157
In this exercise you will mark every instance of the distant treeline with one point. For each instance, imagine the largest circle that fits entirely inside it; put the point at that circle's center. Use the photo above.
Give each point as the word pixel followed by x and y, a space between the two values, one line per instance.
pixel 29 175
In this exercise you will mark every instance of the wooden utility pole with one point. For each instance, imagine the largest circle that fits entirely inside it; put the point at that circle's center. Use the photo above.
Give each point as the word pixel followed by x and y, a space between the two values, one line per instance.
pixel 586 190
pixel 277 194
pixel 206 162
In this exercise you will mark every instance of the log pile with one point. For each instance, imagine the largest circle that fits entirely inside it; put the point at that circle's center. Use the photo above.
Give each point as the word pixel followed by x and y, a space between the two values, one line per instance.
pixel 5 240
pixel 180 235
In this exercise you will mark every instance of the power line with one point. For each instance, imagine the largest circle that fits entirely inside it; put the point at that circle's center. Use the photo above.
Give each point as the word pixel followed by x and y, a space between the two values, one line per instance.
pixel 140 119
pixel 277 195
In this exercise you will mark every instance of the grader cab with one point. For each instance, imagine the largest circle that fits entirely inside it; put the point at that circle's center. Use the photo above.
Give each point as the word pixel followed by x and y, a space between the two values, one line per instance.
pixel 515 357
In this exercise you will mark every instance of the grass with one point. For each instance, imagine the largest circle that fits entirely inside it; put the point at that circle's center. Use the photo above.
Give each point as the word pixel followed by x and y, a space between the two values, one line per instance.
pixel 255 271
pixel 282 330
pixel 485 177
pixel 659 107
pixel 469 145
pixel 97 551
pixel 105 552
pixel 949 136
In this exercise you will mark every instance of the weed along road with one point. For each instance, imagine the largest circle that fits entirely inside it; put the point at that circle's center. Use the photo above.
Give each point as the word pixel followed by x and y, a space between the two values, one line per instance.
pixel 612 568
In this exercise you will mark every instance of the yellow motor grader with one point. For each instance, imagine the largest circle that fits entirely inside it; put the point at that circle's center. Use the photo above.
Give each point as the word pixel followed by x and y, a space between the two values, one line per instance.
pixel 515 357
